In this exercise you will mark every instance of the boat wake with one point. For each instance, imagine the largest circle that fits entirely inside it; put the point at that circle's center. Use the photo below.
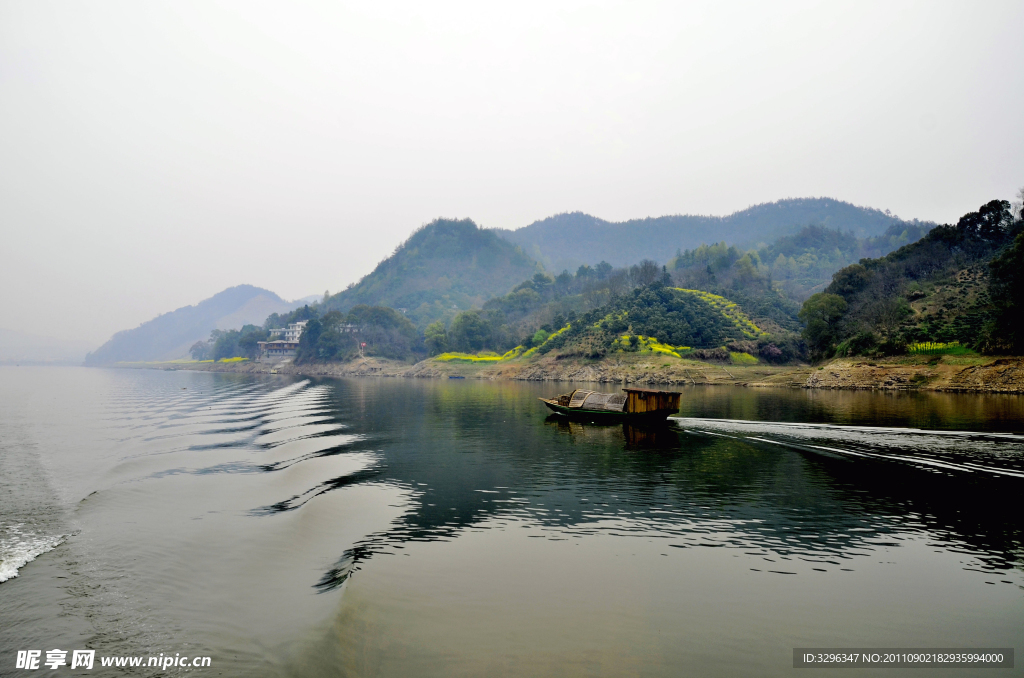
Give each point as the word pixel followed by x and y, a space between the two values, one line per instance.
pixel 20 546
pixel 993 454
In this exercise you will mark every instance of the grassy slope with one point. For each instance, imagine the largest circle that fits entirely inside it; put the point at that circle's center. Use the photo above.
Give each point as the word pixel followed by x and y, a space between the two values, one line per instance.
pixel 653 320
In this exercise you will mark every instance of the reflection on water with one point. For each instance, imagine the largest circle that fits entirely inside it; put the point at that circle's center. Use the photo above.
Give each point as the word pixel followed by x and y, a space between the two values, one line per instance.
pixel 630 436
pixel 482 460
pixel 394 527
pixel 907 409
pixel 706 482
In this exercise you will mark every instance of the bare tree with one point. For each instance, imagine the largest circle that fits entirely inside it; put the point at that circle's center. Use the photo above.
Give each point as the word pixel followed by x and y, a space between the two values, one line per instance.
pixel 645 273
pixel 617 283
pixel 1017 206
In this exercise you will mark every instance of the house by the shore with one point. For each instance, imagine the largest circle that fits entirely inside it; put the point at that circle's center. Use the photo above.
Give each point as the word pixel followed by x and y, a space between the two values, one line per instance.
pixel 288 345
pixel 283 347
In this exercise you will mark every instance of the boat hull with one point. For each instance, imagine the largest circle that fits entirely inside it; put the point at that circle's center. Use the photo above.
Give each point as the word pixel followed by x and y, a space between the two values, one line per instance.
pixel 606 415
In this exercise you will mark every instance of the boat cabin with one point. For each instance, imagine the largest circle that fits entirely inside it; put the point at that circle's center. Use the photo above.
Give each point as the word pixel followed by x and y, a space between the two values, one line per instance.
pixel 640 400
pixel 632 401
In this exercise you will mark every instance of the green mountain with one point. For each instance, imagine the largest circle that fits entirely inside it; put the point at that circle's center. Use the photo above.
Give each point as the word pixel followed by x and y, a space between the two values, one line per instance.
pixel 771 281
pixel 565 241
pixel 169 336
pixel 444 267
pixel 956 284
pixel 603 310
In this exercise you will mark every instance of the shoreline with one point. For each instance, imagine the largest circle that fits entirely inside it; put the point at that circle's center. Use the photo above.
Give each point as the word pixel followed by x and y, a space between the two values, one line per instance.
pixel 957 374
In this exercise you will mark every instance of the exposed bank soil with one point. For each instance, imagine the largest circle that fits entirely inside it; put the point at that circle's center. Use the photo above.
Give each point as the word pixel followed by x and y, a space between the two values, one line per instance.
pixel 950 373
pixel 630 369
pixel 652 370
pixel 361 367
pixel 1001 376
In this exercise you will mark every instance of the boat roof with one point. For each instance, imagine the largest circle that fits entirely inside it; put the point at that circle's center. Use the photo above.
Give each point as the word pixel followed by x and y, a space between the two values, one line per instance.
pixel 646 390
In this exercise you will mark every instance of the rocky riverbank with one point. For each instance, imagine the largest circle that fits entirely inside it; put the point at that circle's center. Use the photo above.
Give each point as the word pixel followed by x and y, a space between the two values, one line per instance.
pixel 932 373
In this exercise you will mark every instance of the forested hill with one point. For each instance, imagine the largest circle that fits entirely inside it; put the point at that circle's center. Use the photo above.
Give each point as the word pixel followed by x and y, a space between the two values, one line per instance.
pixel 565 241
pixel 170 335
pixel 961 283
pixel 444 267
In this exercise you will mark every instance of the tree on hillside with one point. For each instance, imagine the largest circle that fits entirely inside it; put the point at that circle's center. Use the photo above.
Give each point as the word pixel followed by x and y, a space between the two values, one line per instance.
pixel 333 342
pixel 850 280
pixel 747 274
pixel 821 314
pixel 331 319
pixel 308 350
pixel 386 332
pixel 236 343
pixel 1006 289
pixel 436 338
pixel 469 332
pixel 644 273
pixel 248 341
pixel 991 222
pixel 200 350
pixel 225 345
pixel 301 313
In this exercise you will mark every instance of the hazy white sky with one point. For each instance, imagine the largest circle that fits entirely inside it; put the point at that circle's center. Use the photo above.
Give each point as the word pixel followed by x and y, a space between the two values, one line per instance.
pixel 154 153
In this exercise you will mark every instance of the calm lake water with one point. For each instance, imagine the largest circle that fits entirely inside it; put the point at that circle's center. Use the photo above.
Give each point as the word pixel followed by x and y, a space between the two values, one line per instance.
pixel 383 527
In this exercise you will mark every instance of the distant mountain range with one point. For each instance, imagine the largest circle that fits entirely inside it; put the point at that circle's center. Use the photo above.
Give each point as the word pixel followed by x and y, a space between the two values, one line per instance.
pixel 565 241
pixel 169 336
pixel 24 348
pixel 445 266
pixel 451 265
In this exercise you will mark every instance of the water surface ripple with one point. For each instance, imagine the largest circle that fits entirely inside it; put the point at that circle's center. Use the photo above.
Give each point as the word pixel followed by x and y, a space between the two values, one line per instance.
pixel 389 527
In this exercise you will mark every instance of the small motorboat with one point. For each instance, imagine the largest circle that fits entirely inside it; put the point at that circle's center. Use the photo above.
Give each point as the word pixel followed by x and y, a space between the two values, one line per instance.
pixel 632 404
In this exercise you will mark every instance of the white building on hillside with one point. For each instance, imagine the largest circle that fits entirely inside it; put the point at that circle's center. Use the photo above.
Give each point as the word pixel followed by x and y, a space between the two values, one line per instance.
pixel 290 333
pixel 286 343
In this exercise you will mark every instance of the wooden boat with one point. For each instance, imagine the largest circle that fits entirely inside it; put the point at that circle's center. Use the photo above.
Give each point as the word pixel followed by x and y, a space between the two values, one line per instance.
pixel 630 405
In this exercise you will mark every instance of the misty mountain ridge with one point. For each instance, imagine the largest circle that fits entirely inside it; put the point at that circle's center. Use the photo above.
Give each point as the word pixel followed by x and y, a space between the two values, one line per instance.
pixel 452 265
pixel 565 241
pixel 169 336
pixel 445 266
